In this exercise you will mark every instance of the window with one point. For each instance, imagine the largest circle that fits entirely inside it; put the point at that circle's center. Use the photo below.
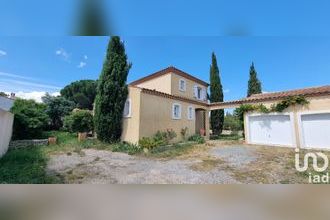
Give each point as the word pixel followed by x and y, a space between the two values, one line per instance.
pixel 127 108
pixel 190 113
pixel 182 85
pixel 176 111
pixel 199 93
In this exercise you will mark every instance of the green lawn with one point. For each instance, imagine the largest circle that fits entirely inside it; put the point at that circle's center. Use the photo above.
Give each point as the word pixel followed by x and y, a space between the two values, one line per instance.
pixel 28 165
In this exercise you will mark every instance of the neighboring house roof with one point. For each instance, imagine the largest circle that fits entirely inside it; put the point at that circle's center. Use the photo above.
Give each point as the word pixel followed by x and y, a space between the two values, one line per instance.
pixel 6 103
pixel 170 69
pixel 174 97
pixel 308 92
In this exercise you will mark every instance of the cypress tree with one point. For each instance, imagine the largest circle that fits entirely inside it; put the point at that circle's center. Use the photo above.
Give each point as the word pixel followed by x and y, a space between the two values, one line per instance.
pixel 216 95
pixel 112 92
pixel 254 85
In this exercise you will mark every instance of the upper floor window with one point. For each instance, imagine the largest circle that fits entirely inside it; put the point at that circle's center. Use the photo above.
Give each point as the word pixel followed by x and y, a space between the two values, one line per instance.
pixel 176 111
pixel 127 108
pixel 190 113
pixel 182 85
pixel 199 93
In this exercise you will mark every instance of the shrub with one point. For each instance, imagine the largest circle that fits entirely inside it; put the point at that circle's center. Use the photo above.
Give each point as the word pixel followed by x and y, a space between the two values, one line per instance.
pixel 184 133
pixel 127 148
pixel 30 119
pixel 197 138
pixel 160 138
pixel 148 143
pixel 79 121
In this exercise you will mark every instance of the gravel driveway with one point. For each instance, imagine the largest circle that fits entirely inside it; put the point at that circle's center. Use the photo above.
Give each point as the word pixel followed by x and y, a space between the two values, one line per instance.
pixel 218 164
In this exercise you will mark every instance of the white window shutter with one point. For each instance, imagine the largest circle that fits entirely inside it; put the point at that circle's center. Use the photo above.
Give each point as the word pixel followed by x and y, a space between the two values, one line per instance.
pixel 195 91
pixel 203 94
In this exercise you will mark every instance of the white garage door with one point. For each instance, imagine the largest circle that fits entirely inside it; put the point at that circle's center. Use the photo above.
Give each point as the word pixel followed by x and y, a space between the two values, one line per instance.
pixel 315 130
pixel 271 130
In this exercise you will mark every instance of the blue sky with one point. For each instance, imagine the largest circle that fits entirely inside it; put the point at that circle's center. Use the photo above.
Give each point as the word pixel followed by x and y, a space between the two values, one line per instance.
pixel 172 17
pixel 46 64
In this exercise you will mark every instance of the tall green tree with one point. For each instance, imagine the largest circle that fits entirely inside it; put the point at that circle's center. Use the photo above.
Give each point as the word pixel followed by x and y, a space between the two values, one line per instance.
pixel 216 95
pixel 81 92
pixel 254 85
pixel 112 92
pixel 57 107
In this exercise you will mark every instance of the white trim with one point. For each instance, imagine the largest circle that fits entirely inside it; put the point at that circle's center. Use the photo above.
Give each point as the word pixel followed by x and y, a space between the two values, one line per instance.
pixel 180 111
pixel 300 128
pixel 185 85
pixel 129 109
pixel 293 130
pixel 192 113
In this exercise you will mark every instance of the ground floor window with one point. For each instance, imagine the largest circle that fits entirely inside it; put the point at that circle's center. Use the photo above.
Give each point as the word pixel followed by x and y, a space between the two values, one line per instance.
pixel 127 108
pixel 190 113
pixel 176 111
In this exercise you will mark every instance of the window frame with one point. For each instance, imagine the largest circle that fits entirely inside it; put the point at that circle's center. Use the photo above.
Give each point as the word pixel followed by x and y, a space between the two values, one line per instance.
pixel 184 83
pixel 129 109
pixel 173 111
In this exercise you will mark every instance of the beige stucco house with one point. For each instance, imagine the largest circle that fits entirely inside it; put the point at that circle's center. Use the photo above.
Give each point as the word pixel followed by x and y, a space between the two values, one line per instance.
pixel 6 123
pixel 167 99
pixel 173 99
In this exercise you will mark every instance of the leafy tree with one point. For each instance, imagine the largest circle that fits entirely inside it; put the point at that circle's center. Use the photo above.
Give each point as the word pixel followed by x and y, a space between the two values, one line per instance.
pixel 82 93
pixel 112 92
pixel 3 94
pixel 231 122
pixel 254 85
pixel 57 108
pixel 216 95
pixel 79 121
pixel 30 119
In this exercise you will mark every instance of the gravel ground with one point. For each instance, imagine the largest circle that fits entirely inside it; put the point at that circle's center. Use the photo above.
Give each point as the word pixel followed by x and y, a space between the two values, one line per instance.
pixel 96 166
pixel 236 155
pixel 217 162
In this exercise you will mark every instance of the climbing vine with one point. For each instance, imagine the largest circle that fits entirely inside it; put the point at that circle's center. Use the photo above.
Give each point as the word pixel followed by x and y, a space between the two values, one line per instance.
pixel 278 107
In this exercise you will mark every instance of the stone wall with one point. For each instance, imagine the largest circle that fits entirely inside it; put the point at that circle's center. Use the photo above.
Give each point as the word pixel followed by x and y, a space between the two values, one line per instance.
pixel 28 143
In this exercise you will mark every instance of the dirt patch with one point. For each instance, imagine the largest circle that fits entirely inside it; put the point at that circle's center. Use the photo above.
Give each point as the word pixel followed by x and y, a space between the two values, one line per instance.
pixel 214 162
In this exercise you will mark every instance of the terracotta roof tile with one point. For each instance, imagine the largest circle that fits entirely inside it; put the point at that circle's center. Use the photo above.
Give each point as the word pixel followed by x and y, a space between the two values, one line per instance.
pixel 308 92
pixel 170 69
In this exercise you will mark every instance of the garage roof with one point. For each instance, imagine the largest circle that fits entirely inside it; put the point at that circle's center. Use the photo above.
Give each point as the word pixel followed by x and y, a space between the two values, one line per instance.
pixel 308 92
pixel 313 91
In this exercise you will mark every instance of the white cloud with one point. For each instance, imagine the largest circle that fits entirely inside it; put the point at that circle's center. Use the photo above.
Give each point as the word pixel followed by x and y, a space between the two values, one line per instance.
pixel 3 53
pixel 85 57
pixel 14 83
pixel 35 95
pixel 82 64
pixel 63 54
pixel 226 91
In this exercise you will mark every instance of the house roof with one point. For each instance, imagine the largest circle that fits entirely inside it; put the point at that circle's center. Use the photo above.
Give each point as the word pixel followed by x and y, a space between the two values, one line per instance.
pixel 308 92
pixel 167 70
pixel 166 95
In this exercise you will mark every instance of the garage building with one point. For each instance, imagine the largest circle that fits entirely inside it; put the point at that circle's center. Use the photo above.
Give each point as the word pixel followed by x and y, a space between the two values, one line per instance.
pixel 6 123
